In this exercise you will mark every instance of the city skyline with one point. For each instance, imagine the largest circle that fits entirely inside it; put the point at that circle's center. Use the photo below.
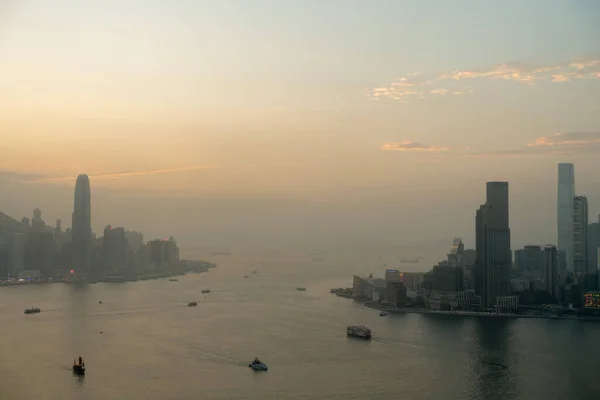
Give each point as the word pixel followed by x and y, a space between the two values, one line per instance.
pixel 234 116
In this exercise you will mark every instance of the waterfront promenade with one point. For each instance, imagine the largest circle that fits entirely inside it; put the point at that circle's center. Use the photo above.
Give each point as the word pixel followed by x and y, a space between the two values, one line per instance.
pixel 397 310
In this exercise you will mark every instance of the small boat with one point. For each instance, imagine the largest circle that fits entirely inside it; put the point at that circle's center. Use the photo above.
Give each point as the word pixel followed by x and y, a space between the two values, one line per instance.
pixel 79 367
pixel 100 302
pixel 173 280
pixel 206 291
pixel 33 310
pixel 258 365
pixel 301 289
pixel 383 314
pixel 245 276
pixel 192 304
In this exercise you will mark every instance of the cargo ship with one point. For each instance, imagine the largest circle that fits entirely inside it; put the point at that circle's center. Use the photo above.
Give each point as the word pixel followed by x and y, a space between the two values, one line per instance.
pixel 358 331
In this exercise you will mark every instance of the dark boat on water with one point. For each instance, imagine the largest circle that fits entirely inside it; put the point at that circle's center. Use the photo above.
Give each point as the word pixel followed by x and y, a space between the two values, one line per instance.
pixel 258 365
pixel 79 367
pixel 33 310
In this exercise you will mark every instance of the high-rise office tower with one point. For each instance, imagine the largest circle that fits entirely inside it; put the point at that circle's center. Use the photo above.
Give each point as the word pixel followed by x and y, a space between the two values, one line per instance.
pixel 551 270
pixel 593 251
pixel 82 224
pixel 566 193
pixel 492 235
pixel 580 226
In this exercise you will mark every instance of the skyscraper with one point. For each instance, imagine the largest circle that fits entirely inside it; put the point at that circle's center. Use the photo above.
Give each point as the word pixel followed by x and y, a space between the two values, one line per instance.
pixel 580 226
pixel 593 250
pixel 82 224
pixel 492 235
pixel 566 193
pixel 551 270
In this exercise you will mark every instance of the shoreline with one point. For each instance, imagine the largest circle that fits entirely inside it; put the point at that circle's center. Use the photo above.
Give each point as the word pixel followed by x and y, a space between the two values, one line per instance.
pixel 110 279
pixel 396 310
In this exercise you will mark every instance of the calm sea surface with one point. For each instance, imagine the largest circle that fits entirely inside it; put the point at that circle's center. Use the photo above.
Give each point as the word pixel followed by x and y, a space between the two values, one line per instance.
pixel 143 342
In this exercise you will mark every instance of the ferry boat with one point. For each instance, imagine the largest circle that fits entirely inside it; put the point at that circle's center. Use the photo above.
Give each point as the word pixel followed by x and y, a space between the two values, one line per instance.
pixel 33 310
pixel 359 331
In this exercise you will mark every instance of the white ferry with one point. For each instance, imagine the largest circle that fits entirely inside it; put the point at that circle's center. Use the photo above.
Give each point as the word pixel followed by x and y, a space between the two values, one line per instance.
pixel 359 331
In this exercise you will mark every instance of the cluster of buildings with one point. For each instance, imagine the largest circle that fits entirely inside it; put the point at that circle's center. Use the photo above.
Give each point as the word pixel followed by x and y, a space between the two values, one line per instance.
pixel 488 278
pixel 30 248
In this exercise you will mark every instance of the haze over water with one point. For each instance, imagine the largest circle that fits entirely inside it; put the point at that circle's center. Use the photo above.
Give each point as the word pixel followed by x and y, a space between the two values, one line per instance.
pixel 155 347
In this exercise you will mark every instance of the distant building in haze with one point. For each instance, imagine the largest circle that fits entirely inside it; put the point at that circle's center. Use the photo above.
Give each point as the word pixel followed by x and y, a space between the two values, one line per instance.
pixel 114 250
pixel 82 225
pixel 492 234
pixel 530 261
pixel 37 223
pixel 551 270
pixel 40 250
pixel 135 239
pixel 580 226
pixel 566 193
pixel 163 253
pixel 16 254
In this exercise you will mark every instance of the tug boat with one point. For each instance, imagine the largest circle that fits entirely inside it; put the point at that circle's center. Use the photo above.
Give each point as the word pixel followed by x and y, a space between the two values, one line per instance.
pixel 79 367
pixel 258 365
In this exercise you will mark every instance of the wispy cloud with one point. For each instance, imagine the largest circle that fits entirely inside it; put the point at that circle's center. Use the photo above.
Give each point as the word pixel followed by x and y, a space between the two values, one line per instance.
pixel 558 144
pixel 413 86
pixel 567 139
pixel 411 146
pixel 16 176
pixel 127 174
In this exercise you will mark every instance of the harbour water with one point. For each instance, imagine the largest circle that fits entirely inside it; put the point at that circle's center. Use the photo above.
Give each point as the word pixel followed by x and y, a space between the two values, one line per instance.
pixel 143 342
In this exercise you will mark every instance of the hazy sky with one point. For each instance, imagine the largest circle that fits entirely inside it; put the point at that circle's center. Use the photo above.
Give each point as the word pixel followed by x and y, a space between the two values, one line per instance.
pixel 270 122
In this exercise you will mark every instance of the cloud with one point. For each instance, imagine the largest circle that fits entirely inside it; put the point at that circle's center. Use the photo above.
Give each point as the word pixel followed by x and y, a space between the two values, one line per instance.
pixel 412 146
pixel 119 175
pixel 567 139
pixel 414 85
pixel 16 176
pixel 558 144
pixel 439 91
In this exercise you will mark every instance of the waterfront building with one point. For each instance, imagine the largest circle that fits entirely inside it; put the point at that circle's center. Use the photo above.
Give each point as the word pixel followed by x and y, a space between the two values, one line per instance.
pixel 396 294
pixel 82 225
pixel 493 261
pixel 369 288
pixel 551 270
pixel 164 253
pixel 507 304
pixel 566 193
pixel 447 278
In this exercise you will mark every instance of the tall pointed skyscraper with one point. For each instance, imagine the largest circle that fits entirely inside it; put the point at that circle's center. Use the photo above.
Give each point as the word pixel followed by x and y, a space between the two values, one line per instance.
pixel 566 193
pixel 82 224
